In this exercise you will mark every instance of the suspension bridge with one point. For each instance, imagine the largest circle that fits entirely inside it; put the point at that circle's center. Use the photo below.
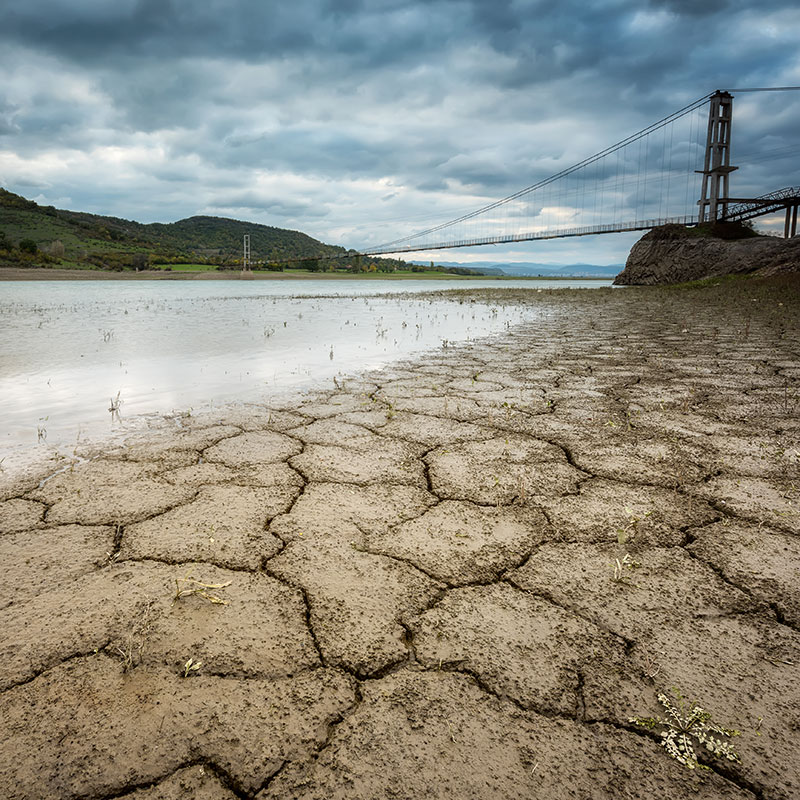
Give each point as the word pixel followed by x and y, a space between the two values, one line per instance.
pixel 677 170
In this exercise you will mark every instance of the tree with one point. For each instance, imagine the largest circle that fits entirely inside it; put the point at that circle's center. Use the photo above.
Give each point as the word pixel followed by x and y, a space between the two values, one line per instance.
pixel 56 249
pixel 28 246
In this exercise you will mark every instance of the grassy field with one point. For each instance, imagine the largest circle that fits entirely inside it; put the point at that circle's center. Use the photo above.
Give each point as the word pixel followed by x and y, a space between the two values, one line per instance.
pixel 184 267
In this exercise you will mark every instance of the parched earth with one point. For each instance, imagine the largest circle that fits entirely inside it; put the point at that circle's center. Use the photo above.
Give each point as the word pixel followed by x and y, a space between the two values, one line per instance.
pixel 461 577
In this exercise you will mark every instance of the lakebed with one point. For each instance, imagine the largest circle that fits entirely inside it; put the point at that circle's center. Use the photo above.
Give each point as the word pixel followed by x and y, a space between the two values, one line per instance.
pixel 459 576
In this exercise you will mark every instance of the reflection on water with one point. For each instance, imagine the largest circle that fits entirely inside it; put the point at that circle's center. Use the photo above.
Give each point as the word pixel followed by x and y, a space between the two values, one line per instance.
pixel 75 354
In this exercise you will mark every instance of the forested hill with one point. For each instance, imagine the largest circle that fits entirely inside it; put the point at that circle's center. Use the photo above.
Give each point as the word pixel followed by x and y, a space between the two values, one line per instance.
pixel 75 237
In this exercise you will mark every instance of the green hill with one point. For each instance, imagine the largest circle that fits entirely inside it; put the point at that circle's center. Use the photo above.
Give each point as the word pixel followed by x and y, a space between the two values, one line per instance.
pixel 30 233
pixel 42 236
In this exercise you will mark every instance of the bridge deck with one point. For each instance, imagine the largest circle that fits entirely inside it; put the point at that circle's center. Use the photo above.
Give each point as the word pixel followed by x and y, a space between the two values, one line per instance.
pixel 559 233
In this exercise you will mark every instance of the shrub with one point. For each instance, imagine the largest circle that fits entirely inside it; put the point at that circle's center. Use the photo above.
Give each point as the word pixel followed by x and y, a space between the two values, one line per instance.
pixel 56 249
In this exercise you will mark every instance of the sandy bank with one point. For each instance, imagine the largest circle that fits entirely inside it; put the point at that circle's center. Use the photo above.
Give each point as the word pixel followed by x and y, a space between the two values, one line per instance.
pixel 457 578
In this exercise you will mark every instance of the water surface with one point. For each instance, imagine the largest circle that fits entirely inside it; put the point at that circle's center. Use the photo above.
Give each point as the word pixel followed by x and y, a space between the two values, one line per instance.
pixel 70 348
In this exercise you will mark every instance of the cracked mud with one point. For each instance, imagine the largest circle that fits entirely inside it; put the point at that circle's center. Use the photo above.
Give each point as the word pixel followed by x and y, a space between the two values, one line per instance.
pixel 459 577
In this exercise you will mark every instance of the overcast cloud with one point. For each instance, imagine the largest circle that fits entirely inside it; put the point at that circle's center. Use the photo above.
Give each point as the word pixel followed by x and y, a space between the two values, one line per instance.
pixel 359 122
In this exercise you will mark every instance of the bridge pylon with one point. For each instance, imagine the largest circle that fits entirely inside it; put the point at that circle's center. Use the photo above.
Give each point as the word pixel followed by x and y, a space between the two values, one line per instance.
pixel 714 193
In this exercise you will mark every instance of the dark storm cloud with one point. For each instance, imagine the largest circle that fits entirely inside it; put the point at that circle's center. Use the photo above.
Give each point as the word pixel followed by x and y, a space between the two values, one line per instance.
pixel 250 30
pixel 322 109
pixel 94 31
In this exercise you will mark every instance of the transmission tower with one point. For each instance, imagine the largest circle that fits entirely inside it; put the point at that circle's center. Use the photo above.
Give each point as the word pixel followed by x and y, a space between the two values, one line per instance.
pixel 246 254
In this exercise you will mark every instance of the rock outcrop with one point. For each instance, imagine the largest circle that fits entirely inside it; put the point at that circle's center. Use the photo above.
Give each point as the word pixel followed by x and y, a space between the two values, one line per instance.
pixel 674 254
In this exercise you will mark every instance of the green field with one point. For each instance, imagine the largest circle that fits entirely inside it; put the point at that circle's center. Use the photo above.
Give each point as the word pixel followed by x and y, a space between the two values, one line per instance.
pixel 184 267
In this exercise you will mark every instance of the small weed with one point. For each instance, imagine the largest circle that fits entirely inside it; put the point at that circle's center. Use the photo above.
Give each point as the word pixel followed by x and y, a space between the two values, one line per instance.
pixel 628 416
pixel 131 649
pixel 185 587
pixel 191 666
pixel 452 733
pixel 681 729
pixel 116 402
pixel 113 554
pixel 628 532
pixel 620 566
pixel 650 668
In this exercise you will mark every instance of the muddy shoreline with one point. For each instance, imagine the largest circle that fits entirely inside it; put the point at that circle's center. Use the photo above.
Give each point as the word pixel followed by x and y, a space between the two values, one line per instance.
pixel 460 577
pixel 45 274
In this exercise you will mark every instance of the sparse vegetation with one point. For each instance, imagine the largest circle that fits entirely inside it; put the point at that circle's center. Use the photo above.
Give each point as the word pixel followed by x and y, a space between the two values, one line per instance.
pixel 188 586
pixel 191 666
pixel 622 567
pixel 627 533
pixel 680 729
pixel 131 649
pixel 115 403
pixel 716 230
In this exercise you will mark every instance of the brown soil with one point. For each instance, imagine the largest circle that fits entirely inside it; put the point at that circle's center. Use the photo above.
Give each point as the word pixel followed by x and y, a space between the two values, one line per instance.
pixel 418 574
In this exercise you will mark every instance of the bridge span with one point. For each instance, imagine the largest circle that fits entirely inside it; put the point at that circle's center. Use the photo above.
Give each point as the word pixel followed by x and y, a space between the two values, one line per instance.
pixel 646 180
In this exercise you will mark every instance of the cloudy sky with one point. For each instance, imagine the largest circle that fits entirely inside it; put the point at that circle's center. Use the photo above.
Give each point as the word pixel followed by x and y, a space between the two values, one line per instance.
pixel 359 121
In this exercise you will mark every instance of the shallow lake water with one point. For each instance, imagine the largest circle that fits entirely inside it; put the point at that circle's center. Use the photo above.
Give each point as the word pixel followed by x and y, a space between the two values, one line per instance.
pixel 69 347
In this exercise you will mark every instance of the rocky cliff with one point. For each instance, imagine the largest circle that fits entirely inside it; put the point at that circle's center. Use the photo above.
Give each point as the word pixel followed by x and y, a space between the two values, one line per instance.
pixel 674 254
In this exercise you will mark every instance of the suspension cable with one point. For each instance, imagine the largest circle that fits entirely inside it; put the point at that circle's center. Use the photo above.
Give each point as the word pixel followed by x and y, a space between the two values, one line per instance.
pixel 565 172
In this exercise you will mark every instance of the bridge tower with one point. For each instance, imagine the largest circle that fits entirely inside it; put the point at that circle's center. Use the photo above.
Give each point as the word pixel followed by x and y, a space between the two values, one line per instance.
pixel 714 193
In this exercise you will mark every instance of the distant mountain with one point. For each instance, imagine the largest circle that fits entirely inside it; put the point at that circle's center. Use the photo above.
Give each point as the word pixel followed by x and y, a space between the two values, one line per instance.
pixel 47 236
pixel 530 268
pixel 98 239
